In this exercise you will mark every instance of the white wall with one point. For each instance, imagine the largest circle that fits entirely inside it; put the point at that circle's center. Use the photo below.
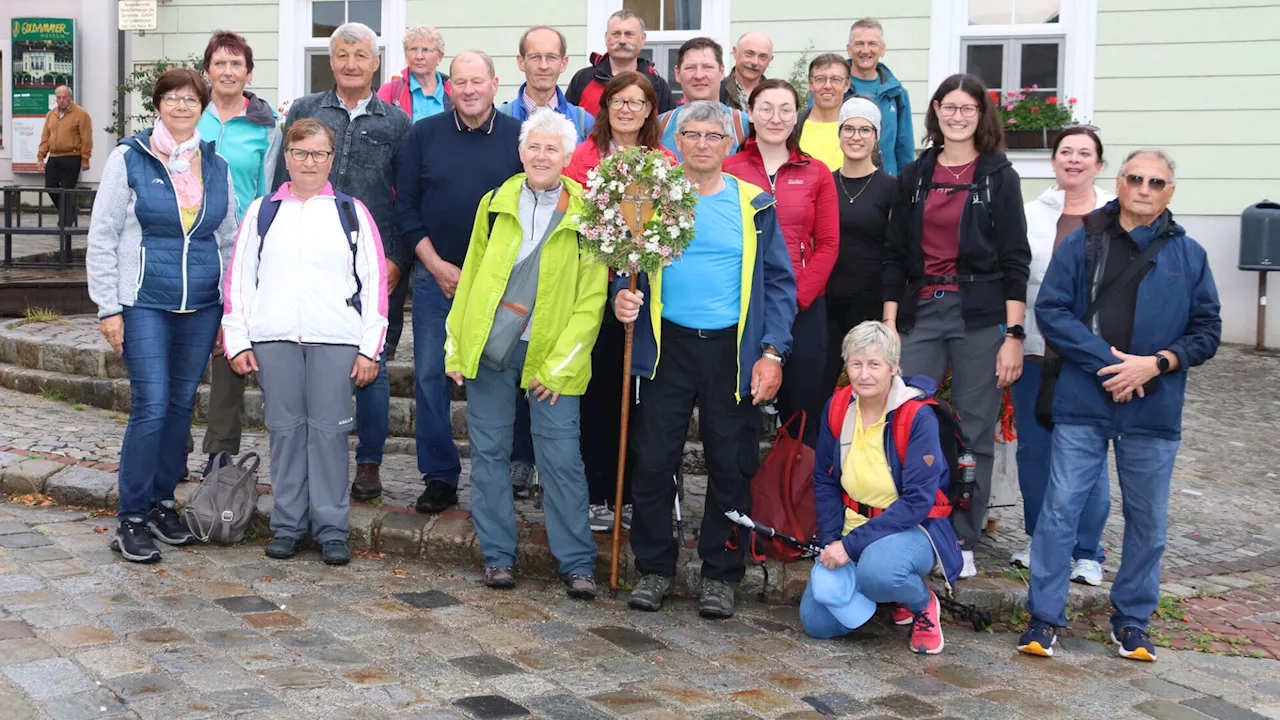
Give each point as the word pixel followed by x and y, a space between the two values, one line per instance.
pixel 1237 289
pixel 95 89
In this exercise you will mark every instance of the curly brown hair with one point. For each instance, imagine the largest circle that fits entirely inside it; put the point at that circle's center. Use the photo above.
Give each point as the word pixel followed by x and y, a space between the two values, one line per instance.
pixel 989 136
pixel 602 133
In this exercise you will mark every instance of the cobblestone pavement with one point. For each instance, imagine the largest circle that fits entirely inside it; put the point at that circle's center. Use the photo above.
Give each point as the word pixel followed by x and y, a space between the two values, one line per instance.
pixel 216 632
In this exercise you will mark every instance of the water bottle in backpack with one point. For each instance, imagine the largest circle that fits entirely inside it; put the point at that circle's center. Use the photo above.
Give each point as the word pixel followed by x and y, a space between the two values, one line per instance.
pixel 968 467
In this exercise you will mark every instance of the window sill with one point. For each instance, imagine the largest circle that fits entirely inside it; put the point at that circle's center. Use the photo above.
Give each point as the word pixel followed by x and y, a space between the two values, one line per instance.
pixel 1033 164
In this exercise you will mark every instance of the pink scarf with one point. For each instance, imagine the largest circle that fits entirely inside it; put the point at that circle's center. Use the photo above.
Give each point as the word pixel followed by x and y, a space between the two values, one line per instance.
pixel 185 182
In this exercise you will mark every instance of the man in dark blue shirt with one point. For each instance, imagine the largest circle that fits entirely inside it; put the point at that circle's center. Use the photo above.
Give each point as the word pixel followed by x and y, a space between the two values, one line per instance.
pixel 447 163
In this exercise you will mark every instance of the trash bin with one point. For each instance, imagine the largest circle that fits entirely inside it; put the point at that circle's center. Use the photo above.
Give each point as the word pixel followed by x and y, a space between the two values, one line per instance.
pixel 1260 237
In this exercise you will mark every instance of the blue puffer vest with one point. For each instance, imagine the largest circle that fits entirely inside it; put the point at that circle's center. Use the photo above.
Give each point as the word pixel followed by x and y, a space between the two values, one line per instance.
pixel 176 271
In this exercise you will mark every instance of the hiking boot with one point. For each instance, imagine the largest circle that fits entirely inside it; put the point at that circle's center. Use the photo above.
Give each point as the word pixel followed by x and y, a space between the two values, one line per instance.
pixel 901 615
pixel 1134 644
pixel 626 517
pixel 649 593
pixel 521 474
pixel 283 547
pixel 1021 558
pixel 210 466
pixel 926 629
pixel 600 517
pixel 1039 639
pixel 970 569
pixel 501 577
pixel 581 587
pixel 368 482
pixel 437 497
pixel 167 526
pixel 133 542
pixel 716 600
pixel 335 552
pixel 1086 571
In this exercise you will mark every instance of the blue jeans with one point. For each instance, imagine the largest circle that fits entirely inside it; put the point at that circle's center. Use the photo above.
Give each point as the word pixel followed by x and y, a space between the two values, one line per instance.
pixel 890 570
pixel 1034 441
pixel 1145 467
pixel 437 455
pixel 491 418
pixel 165 354
pixel 373 408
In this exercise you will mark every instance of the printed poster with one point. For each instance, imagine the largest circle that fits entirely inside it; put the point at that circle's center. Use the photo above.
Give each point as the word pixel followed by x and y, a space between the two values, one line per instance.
pixel 44 57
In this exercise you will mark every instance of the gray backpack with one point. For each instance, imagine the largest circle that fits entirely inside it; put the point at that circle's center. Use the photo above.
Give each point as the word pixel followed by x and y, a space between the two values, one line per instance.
pixel 221 508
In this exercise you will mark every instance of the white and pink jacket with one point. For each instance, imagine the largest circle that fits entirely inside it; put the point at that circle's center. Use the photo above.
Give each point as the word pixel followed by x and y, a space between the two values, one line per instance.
pixel 294 285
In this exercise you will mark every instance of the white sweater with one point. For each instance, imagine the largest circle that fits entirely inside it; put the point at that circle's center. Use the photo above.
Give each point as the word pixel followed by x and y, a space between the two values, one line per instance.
pixel 1042 229
pixel 297 291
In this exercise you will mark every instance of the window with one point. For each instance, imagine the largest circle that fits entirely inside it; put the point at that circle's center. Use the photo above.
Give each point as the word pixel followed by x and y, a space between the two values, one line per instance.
pixel 1011 64
pixel 326 16
pixel 668 14
pixel 668 24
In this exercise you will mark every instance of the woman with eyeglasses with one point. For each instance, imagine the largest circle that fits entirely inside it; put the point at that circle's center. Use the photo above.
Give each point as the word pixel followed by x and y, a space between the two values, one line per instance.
pixel 306 309
pixel 420 89
pixel 161 231
pixel 1059 211
pixel 864 194
pixel 810 221
pixel 956 274
pixel 627 117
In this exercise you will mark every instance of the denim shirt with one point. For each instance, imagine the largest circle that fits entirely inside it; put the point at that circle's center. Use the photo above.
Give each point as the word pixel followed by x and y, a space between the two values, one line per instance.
pixel 365 162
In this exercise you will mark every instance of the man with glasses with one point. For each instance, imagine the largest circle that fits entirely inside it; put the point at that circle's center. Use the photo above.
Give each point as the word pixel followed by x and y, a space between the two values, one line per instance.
pixel 820 124
pixel 367 131
pixel 699 70
pixel 870 78
pixel 722 343
pixel 1129 304
pixel 420 89
pixel 543 58
pixel 751 58
pixel 624 38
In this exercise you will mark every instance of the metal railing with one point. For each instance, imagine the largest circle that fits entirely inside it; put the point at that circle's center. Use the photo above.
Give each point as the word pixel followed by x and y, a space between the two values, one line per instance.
pixel 67 221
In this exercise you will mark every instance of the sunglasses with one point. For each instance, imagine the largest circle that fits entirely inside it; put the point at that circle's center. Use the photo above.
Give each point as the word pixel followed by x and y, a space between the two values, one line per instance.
pixel 1137 181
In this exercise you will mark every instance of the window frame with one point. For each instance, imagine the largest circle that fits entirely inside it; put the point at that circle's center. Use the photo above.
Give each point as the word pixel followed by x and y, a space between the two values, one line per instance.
pixel 1012 63
pixel 296 45
pixel 715 25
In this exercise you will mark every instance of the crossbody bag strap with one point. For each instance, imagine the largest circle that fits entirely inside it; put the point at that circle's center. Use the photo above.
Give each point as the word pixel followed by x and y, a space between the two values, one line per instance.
pixel 1130 271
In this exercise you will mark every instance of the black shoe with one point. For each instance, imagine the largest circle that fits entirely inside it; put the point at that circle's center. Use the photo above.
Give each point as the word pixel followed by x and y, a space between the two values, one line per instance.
pixel 437 497
pixel 335 552
pixel 167 526
pixel 716 600
pixel 500 577
pixel 650 592
pixel 521 474
pixel 283 547
pixel 580 587
pixel 134 543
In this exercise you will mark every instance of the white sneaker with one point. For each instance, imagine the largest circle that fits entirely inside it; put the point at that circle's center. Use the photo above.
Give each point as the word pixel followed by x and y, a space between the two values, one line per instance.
pixel 1021 558
pixel 1088 572
pixel 970 569
pixel 600 517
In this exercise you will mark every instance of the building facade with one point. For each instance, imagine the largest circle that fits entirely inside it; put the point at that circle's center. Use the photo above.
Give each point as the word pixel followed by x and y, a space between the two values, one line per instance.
pixel 1193 76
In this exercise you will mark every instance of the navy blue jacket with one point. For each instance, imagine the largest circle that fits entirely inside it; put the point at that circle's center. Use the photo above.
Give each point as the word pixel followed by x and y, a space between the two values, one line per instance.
pixel 1177 310
pixel 918 483
pixel 177 270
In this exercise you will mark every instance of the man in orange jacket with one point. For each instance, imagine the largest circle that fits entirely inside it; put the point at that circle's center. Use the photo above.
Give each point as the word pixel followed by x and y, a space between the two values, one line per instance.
pixel 65 143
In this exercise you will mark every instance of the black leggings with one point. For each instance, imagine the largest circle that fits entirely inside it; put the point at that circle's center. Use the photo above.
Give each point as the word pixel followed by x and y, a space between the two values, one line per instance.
pixel 802 377
pixel 843 314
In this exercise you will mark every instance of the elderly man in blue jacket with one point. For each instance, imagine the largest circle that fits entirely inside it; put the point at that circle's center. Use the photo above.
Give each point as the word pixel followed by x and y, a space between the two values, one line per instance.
pixel 1129 304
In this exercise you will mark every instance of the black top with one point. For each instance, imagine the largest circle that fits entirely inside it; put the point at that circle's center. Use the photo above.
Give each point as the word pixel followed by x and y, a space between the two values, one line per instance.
pixel 1115 318
pixel 864 226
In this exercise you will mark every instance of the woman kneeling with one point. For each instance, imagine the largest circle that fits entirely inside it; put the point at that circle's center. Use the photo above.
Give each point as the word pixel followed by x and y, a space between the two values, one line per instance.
pixel 525 315
pixel 881 511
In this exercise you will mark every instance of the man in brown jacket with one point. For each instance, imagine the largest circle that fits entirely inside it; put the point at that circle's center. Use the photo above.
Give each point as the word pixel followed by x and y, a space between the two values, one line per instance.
pixel 65 144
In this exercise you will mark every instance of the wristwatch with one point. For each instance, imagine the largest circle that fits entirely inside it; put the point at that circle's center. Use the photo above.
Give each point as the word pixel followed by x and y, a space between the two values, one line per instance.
pixel 1162 363
pixel 1016 332
pixel 772 353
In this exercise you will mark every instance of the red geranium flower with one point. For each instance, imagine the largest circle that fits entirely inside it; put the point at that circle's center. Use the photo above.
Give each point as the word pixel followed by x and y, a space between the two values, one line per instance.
pixel 1052 100
pixel 1072 101
pixel 1035 109
pixel 995 96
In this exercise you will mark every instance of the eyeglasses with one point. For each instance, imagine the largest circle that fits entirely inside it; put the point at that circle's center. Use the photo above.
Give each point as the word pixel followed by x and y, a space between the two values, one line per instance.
pixel 319 156
pixel 538 59
pixel 421 50
pixel 1137 181
pixel 172 100
pixel 823 80
pixel 695 137
pixel 616 103
pixel 766 112
pixel 866 131
pixel 950 109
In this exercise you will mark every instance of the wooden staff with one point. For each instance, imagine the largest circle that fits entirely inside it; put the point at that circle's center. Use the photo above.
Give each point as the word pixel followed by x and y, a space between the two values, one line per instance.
pixel 622 447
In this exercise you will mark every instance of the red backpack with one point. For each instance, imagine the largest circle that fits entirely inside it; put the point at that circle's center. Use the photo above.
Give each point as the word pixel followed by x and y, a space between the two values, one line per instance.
pixel 782 494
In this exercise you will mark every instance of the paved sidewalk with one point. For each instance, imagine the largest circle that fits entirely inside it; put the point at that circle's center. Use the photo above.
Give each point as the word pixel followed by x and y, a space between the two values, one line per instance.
pixel 215 632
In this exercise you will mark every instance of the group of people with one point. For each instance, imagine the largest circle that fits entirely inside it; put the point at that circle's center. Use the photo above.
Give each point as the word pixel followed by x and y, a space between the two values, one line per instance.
pixel 823 247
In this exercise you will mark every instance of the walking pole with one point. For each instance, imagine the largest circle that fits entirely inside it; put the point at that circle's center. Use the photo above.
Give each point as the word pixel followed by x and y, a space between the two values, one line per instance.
pixel 622 448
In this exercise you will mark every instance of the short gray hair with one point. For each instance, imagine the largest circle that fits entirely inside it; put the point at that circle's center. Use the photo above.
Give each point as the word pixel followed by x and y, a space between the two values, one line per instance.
pixel 706 111
pixel 866 23
pixel 488 61
pixel 550 122
pixel 564 45
pixel 1159 153
pixel 424 32
pixel 625 14
pixel 872 334
pixel 354 32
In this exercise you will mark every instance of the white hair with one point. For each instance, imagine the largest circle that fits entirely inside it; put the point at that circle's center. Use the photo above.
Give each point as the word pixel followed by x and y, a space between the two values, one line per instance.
pixel 872 334
pixel 549 122
pixel 354 32
pixel 427 33
pixel 1157 152
pixel 706 111
pixel 488 61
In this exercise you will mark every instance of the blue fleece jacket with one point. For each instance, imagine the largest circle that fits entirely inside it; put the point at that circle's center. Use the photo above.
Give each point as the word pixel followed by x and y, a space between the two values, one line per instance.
pixel 1177 310
pixel 582 120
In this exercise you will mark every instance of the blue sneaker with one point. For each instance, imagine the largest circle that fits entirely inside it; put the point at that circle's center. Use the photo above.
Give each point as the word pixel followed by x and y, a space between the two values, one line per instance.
pixel 1134 644
pixel 1039 639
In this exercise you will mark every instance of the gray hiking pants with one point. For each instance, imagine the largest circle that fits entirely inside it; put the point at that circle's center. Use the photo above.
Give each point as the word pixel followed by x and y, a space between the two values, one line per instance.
pixel 306 391
pixel 939 340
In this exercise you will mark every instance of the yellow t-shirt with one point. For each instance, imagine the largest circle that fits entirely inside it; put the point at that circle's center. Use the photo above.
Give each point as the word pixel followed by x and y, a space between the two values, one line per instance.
pixel 865 474
pixel 822 141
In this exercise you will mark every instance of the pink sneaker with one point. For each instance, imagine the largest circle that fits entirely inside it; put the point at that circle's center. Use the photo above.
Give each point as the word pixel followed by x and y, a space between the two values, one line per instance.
pixel 901 615
pixel 926 629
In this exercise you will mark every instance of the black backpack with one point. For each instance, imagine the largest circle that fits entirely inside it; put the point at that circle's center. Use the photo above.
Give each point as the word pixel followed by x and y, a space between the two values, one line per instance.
pixel 350 228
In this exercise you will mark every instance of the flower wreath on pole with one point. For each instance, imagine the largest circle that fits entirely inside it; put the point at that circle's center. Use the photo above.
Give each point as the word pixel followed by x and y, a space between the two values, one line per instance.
pixel 638 217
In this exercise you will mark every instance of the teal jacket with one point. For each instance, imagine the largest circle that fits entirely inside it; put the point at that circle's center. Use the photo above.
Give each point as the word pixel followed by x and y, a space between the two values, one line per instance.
pixel 250 144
